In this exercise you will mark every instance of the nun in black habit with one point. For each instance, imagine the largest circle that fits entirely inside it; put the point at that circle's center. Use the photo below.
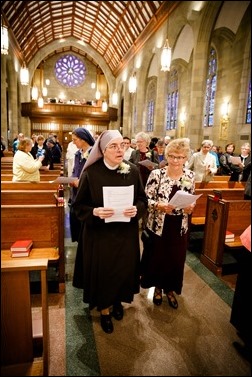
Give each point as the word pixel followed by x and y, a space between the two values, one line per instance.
pixel 109 269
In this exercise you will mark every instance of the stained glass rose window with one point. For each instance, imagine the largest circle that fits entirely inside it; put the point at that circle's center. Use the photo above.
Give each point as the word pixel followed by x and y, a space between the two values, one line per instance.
pixel 70 71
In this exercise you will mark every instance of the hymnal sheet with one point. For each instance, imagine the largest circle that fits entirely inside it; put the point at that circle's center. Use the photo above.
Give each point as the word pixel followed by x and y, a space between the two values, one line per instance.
pixel 183 199
pixel 148 164
pixel 235 160
pixel 64 180
pixel 119 198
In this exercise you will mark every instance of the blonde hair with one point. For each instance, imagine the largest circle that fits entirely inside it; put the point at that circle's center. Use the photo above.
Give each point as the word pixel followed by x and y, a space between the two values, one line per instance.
pixel 24 143
pixel 180 145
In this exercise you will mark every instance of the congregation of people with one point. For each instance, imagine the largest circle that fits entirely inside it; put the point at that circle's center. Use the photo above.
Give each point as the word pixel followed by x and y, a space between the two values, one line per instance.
pixel 147 172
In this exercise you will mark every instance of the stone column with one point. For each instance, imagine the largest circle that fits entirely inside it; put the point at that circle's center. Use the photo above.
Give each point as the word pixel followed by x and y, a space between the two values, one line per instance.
pixel 4 120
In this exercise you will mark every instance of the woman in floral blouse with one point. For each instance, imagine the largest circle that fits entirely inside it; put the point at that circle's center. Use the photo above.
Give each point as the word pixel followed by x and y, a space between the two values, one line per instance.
pixel 163 268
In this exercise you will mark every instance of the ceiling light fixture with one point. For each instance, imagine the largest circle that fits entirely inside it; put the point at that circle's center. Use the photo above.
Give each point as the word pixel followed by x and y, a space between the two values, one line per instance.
pixel 132 83
pixel 24 75
pixel 104 106
pixel 166 53
pixel 4 39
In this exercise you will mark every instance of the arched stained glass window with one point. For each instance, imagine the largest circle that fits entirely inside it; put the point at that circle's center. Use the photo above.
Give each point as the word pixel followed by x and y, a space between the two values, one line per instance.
pixel 151 96
pixel 210 89
pixel 172 102
pixel 248 112
pixel 70 71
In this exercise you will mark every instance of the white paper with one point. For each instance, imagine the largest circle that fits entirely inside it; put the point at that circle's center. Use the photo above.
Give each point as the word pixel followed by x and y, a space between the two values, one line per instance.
pixel 65 180
pixel 148 164
pixel 118 198
pixel 235 160
pixel 183 199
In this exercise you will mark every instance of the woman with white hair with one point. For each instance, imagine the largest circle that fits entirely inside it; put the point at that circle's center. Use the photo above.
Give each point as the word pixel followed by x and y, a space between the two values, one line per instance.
pixel 109 271
pixel 143 152
pixel 203 163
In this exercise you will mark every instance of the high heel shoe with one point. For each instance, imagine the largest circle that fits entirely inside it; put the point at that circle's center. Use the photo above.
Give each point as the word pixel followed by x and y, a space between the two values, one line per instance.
pixel 172 300
pixel 157 296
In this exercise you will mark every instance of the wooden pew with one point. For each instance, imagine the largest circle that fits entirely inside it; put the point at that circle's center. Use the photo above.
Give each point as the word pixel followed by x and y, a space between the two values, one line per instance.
pixel 224 178
pixel 8 153
pixel 8 170
pixel 222 215
pixel 43 177
pixel 44 224
pixel 28 197
pixel 17 337
pixel 8 159
pixel 42 185
pixel 219 184
pixel 199 212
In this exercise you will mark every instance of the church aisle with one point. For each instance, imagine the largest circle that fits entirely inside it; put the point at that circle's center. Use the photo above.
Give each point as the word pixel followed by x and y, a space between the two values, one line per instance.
pixel 194 340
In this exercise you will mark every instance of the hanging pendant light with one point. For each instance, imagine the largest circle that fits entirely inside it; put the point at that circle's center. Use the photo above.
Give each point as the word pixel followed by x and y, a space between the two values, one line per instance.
pixel 104 106
pixel 40 102
pixel 4 39
pixel 166 57
pixel 132 84
pixel 97 95
pixel 24 75
pixel 44 91
pixel 34 93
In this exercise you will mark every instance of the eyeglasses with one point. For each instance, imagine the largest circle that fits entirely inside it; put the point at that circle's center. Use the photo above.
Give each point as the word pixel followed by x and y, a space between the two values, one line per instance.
pixel 172 157
pixel 116 147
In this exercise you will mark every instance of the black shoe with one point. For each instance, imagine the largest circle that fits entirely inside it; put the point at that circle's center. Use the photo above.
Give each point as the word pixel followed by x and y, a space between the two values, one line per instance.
pixel 172 301
pixel 106 323
pixel 157 297
pixel 117 311
pixel 243 351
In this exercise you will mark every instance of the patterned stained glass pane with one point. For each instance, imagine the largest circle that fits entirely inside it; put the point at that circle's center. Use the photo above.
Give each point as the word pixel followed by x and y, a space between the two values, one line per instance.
pixel 172 102
pixel 150 116
pixel 70 71
pixel 151 97
pixel 248 113
pixel 211 83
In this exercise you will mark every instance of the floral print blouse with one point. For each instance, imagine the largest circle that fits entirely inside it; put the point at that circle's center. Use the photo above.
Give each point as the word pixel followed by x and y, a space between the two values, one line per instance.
pixel 158 180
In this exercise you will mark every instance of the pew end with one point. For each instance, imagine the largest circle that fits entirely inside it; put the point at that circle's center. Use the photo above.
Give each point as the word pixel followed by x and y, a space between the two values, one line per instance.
pixel 222 215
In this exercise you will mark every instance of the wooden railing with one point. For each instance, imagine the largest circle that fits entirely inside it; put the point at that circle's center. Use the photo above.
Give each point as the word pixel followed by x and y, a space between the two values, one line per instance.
pixel 32 110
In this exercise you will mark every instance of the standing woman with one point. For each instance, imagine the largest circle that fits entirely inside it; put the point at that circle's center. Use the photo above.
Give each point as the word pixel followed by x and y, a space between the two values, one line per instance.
pixel 143 152
pixel 111 250
pixel 203 163
pixel 84 141
pixel 164 266
pixel 25 168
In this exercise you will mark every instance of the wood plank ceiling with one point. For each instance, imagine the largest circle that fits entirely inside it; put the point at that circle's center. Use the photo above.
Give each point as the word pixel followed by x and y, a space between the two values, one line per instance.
pixel 112 28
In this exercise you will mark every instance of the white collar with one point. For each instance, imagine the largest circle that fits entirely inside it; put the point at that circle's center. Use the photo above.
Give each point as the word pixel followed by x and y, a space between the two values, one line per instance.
pixel 110 167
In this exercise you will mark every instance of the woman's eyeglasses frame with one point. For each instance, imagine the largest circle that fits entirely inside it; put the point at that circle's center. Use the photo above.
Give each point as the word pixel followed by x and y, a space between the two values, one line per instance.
pixel 172 157
pixel 116 147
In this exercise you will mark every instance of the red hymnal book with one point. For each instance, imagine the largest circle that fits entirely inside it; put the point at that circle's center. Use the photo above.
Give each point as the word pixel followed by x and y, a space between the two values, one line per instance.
pixel 229 234
pixel 21 245
pixel 17 254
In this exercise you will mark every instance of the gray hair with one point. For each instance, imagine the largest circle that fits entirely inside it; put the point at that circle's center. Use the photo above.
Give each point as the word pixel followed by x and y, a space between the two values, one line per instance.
pixel 143 136
pixel 207 142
